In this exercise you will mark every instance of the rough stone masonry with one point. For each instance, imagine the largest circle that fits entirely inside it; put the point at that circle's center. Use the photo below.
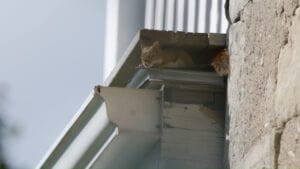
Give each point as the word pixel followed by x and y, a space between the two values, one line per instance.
pixel 264 84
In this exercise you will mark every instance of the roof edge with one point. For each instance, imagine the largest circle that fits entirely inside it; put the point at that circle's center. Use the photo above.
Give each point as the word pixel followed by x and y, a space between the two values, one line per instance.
pixel 86 111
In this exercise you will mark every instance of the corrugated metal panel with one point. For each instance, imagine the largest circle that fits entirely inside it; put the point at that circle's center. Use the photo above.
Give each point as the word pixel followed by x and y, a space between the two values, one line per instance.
pixel 149 14
pixel 191 16
pixel 170 11
pixel 201 20
pixel 159 15
pixel 180 15
pixel 201 16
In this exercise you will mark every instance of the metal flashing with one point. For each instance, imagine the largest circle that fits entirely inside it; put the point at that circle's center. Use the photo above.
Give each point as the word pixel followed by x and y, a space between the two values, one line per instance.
pixel 144 76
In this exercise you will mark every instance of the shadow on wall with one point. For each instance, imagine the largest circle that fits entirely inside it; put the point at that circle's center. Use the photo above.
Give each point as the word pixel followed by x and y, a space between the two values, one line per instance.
pixel 226 143
pixel 3 164
pixel 7 130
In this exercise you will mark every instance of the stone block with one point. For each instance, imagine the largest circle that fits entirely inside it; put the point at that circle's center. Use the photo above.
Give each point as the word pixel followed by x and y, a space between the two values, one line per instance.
pixel 287 102
pixel 260 155
pixel 263 85
pixel 235 8
pixel 289 156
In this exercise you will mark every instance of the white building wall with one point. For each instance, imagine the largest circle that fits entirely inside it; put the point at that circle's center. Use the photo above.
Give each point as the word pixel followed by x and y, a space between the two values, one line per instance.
pixel 123 20
pixel 111 36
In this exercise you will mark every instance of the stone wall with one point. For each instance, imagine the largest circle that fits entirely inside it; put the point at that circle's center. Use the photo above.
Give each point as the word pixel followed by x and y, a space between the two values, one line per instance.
pixel 264 84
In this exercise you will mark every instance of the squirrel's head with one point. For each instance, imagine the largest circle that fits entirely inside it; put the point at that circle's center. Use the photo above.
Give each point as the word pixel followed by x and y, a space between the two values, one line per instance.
pixel 149 54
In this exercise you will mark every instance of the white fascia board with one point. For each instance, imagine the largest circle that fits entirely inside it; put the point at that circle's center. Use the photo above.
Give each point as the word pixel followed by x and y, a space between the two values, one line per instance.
pixel 106 110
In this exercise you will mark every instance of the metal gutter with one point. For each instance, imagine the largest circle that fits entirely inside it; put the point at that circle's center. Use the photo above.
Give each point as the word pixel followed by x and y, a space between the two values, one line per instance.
pixel 96 123
pixel 101 150
pixel 144 76
pixel 80 123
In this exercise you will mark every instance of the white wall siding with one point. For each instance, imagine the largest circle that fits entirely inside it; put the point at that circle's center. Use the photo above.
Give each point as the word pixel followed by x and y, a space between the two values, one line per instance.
pixel 159 15
pixel 202 16
pixel 213 15
pixel 191 18
pixel 223 18
pixel 201 19
pixel 180 15
pixel 170 11
pixel 149 14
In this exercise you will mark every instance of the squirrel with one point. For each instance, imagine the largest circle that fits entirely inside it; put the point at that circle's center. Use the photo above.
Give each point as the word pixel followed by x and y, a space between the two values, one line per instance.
pixel 220 62
pixel 155 56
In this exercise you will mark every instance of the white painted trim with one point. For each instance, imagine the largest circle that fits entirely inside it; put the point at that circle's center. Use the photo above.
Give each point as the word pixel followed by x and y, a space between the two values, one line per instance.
pixel 111 38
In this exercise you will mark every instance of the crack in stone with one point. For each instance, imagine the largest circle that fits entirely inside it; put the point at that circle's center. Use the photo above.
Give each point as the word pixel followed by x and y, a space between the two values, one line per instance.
pixel 277 144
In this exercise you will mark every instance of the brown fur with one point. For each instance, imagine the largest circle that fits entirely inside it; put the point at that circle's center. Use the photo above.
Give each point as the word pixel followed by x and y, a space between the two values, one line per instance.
pixel 220 62
pixel 155 57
